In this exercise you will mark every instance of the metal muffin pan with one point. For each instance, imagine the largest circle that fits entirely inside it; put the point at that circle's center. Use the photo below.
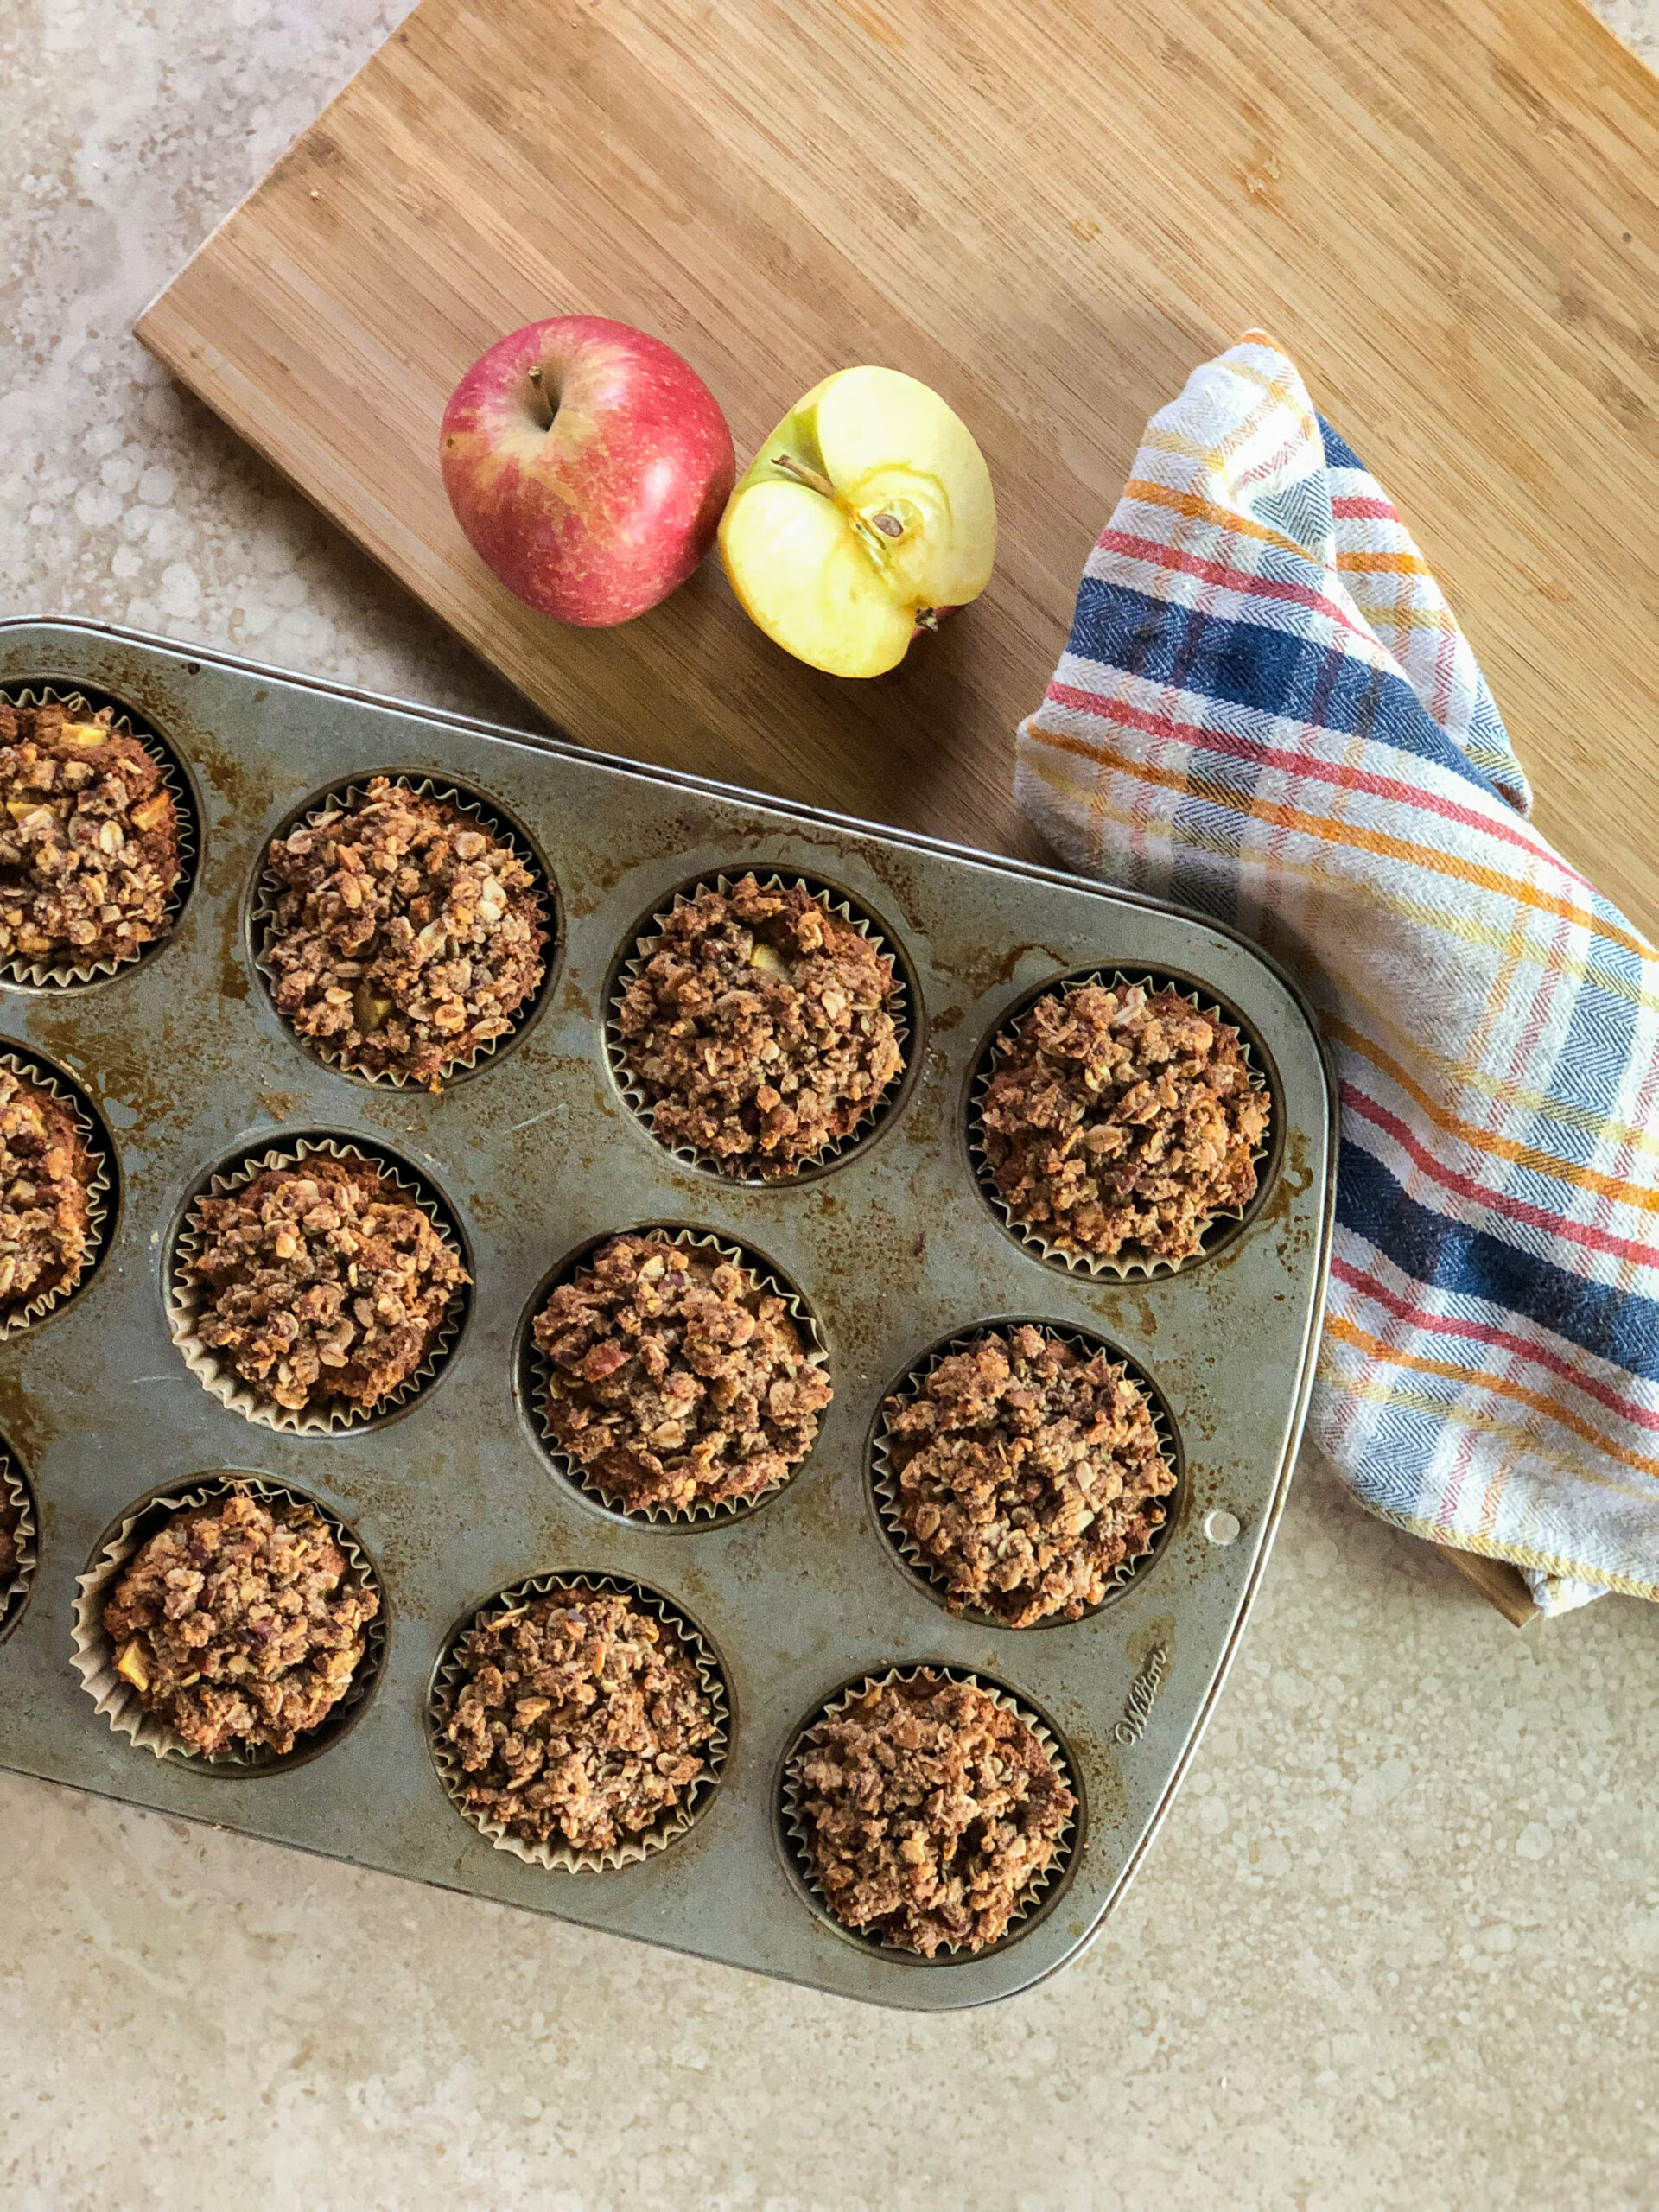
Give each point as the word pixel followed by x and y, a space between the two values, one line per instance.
pixel 894 1248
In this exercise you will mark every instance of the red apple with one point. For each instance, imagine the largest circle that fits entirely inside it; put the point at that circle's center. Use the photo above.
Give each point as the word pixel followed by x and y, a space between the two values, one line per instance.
pixel 587 465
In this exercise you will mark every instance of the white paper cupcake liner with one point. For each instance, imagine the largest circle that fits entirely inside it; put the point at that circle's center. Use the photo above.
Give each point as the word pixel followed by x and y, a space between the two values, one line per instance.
pixel 797 1835
pixel 63 973
pixel 876 1111
pixel 1129 1262
pixel 99 1182
pixel 884 1476
pixel 117 1699
pixel 19 1502
pixel 705 1513
pixel 558 1857
pixel 267 889
pixel 186 1295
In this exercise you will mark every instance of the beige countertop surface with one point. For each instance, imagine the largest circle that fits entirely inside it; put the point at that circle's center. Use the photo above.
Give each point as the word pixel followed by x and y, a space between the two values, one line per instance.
pixel 1399 1944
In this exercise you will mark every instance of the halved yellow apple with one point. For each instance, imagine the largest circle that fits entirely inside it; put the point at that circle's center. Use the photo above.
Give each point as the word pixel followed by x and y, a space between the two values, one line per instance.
pixel 866 514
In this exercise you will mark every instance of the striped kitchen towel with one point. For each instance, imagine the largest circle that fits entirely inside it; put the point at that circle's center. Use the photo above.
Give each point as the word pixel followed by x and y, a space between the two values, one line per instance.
pixel 1267 711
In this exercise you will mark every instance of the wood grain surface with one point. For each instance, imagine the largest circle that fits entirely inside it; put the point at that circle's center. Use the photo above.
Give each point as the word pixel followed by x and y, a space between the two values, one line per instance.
pixel 1448 210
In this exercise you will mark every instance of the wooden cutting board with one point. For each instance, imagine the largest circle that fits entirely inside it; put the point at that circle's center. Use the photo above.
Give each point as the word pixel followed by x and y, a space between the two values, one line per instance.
pixel 1050 209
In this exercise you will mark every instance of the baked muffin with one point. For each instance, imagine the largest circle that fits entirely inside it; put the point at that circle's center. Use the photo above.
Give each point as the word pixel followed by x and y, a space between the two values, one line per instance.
pixel 1026 1473
pixel 323 1281
pixel 676 1378
pixel 405 935
pixel 1118 1120
pixel 89 839
pixel 240 1625
pixel 45 1177
pixel 761 1028
pixel 579 1719
pixel 928 1811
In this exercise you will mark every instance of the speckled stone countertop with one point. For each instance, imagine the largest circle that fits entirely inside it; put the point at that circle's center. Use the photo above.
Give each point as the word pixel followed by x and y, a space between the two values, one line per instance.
pixel 1399 1944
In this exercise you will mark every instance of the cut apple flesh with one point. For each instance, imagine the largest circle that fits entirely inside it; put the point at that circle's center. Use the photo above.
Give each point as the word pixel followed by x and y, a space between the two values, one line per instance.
pixel 867 511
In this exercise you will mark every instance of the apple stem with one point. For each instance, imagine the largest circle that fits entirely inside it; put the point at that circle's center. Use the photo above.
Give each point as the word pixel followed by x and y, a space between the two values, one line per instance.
pixel 803 474
pixel 539 381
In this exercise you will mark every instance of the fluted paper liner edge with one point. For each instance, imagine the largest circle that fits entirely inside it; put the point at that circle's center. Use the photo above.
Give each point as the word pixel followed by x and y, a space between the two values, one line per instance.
pixel 1127 1264
pixel 1030 1897
pixel 561 1858
pixel 707 1512
pixel 115 1698
pixel 61 975
pixel 747 1175
pixel 14 1594
pixel 884 1476
pixel 220 1379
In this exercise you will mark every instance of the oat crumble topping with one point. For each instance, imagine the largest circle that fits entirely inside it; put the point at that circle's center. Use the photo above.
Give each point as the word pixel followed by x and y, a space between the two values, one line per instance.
pixel 1118 1120
pixel 761 1027
pixel 405 936
pixel 580 1718
pixel 929 1810
pixel 323 1281
pixel 677 1379
pixel 45 1202
pixel 1027 1474
pixel 240 1625
pixel 89 838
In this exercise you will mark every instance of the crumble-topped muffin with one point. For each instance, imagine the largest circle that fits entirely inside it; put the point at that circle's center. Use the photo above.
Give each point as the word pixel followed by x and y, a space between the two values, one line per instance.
pixel 46 1175
pixel 1027 1474
pixel 406 935
pixel 323 1281
pixel 1120 1119
pixel 240 1625
pixel 580 1718
pixel 761 1027
pixel 89 838
pixel 677 1379
pixel 929 1810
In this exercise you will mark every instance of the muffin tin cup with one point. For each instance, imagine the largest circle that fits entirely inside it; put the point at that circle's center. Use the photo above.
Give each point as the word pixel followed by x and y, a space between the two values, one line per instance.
pixel 556 1857
pixel 64 974
pixel 99 1184
pixel 186 1297
pixel 884 1476
pixel 115 1698
pixel 1129 1263
pixel 262 926
pixel 876 1111
pixel 20 1500
pixel 705 1514
pixel 797 1833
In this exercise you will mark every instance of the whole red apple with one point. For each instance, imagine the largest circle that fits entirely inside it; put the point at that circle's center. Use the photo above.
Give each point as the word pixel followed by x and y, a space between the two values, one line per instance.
pixel 587 465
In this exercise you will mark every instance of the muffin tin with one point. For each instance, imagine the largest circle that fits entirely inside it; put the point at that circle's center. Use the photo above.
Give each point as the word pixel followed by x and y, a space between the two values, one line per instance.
pixel 893 1247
